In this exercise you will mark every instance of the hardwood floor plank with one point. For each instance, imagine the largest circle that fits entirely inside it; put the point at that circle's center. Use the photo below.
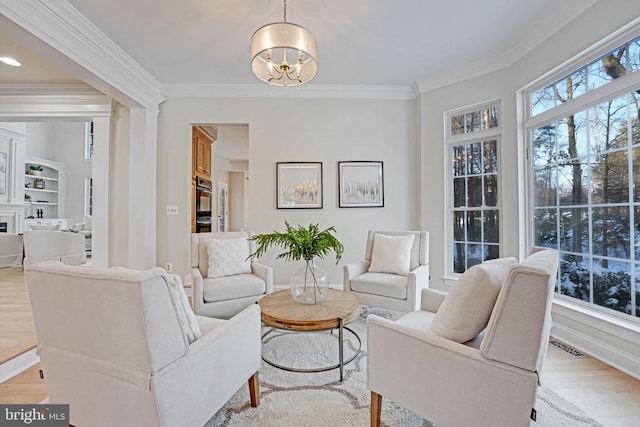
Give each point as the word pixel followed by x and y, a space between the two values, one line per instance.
pixel 17 331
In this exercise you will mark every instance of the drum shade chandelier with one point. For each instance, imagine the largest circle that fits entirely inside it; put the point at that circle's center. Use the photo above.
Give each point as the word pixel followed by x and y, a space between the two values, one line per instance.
pixel 284 54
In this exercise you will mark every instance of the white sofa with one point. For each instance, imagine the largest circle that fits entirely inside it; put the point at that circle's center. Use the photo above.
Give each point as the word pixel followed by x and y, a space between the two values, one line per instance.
pixel 224 296
pixel 10 250
pixel 113 346
pixel 491 380
pixel 386 290
pixel 54 246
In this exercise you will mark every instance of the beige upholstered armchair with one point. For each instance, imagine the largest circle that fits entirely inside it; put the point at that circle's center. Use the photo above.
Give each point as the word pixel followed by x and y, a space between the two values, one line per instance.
pixel 224 280
pixel 394 271
pixel 473 357
pixel 123 348
pixel 10 250
pixel 61 246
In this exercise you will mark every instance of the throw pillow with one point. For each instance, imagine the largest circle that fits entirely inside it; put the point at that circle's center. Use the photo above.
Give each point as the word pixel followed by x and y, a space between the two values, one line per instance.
pixel 391 254
pixel 183 310
pixel 228 257
pixel 465 311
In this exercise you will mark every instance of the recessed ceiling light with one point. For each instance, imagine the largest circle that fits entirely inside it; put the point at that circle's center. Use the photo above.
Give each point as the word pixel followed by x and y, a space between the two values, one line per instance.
pixel 10 61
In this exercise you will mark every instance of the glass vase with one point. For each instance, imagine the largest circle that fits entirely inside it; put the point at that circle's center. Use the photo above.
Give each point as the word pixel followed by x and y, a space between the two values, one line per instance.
pixel 309 285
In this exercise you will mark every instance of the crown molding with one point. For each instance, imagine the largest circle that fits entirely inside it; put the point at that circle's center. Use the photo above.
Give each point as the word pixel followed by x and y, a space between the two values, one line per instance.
pixel 266 91
pixel 55 101
pixel 553 24
pixel 61 26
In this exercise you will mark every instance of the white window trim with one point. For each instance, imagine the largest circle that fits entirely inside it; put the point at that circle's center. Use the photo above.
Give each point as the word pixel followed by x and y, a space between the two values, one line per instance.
pixel 87 141
pixel 526 123
pixel 461 139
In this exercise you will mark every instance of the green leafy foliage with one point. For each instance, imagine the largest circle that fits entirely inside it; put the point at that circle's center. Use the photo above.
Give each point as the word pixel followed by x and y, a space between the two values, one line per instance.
pixel 300 243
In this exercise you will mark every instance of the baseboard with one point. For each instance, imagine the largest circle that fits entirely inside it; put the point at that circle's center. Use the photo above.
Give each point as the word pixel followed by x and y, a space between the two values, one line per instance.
pixel 18 365
pixel 568 327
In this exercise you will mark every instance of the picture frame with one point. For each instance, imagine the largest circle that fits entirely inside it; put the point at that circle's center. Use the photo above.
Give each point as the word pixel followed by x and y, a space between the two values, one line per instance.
pixel 361 184
pixel 299 185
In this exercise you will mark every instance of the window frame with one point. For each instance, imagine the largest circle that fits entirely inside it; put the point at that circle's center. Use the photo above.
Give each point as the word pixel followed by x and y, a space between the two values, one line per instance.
pixel 462 139
pixel 527 123
pixel 88 196
pixel 88 141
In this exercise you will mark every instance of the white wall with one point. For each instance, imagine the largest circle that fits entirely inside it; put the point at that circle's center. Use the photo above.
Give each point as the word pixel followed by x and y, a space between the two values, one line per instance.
pixel 324 130
pixel 68 140
pixel 39 140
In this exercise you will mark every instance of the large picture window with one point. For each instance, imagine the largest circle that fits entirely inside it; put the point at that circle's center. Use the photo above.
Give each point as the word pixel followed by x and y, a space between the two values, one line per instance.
pixel 584 168
pixel 473 221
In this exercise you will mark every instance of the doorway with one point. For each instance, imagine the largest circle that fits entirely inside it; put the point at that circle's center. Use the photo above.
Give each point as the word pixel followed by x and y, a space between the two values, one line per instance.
pixel 223 206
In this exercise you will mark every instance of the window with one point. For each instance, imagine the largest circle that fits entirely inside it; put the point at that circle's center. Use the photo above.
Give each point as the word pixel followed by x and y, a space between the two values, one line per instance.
pixel 88 141
pixel 584 191
pixel 88 196
pixel 473 218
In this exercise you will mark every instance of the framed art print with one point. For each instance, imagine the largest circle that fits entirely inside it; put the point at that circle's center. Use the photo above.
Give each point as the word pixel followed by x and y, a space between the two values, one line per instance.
pixel 299 185
pixel 361 184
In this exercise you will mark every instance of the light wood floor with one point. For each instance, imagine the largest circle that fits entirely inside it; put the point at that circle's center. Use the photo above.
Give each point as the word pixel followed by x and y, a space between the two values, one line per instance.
pixel 17 333
pixel 605 394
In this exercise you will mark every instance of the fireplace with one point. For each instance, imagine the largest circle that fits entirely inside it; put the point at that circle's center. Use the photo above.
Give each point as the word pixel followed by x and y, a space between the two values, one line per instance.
pixel 10 220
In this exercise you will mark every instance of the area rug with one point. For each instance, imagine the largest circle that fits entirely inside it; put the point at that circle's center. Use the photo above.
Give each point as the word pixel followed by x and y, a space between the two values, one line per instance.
pixel 289 399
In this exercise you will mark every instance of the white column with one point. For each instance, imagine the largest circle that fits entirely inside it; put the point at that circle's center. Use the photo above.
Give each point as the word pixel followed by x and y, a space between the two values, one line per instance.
pixel 100 173
pixel 142 188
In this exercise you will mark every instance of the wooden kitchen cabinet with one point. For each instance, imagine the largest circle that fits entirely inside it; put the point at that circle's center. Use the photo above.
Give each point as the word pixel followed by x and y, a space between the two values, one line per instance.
pixel 201 153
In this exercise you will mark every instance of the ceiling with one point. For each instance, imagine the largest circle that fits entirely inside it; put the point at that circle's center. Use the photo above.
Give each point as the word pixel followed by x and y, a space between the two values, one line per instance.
pixel 360 42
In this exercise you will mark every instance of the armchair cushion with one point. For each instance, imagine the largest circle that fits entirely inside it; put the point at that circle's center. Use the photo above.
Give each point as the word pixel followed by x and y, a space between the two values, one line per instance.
pixel 466 309
pixel 232 287
pixel 391 254
pixel 228 257
pixel 388 285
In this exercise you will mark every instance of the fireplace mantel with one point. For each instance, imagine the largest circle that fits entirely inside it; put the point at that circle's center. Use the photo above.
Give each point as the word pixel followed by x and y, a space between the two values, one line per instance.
pixel 14 216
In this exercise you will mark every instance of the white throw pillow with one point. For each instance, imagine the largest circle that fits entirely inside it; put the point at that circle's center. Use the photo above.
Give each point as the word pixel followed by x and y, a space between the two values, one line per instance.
pixel 391 254
pixel 180 302
pixel 228 257
pixel 465 311
pixel 185 314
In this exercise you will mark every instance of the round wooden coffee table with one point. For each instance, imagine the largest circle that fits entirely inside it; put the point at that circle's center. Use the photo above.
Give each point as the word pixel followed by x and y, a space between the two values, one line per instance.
pixel 280 311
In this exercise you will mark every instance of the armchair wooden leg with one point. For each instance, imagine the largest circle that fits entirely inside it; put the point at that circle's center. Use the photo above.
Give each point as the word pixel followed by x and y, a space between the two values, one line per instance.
pixel 376 409
pixel 254 390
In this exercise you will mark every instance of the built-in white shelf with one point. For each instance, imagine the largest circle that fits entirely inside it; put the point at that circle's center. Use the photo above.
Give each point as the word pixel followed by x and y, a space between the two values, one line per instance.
pixel 40 190
pixel 46 178
pixel 52 178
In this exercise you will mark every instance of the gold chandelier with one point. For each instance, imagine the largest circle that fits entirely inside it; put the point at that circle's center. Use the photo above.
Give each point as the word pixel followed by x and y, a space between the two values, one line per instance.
pixel 274 45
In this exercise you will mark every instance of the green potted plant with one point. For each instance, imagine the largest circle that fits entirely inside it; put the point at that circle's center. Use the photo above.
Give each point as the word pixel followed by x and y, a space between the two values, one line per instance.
pixel 309 285
pixel 35 170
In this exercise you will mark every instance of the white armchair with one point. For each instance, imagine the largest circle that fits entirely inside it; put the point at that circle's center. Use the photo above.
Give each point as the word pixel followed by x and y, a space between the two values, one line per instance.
pixel 114 344
pixel 54 246
pixel 233 283
pixel 400 292
pixel 10 250
pixel 490 380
